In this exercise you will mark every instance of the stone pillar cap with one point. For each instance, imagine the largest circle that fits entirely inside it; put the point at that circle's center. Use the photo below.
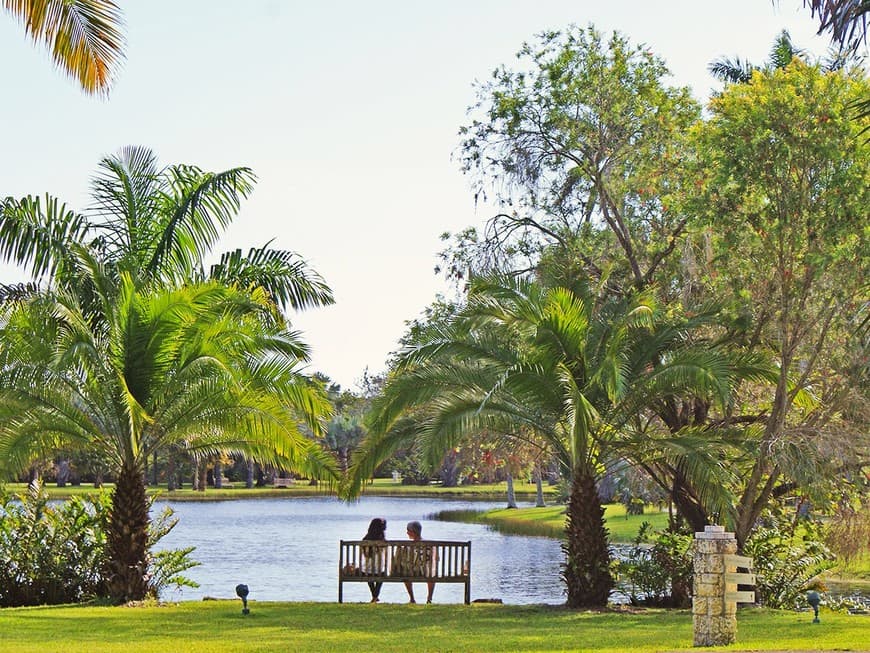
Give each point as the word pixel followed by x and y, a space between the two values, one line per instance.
pixel 712 532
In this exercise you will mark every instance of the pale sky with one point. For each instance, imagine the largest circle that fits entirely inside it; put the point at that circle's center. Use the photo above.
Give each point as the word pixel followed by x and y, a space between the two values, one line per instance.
pixel 348 113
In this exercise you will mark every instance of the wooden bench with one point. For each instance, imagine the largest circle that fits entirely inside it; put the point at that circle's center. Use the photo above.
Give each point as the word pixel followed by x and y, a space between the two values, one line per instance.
pixel 283 482
pixel 398 561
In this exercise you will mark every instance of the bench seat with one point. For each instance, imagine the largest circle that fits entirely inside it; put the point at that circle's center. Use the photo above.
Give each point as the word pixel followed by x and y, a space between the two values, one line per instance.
pixel 399 561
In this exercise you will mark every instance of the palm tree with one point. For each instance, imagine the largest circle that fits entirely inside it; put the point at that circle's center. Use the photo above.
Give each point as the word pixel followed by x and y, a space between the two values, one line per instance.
pixel 85 36
pixel 560 363
pixel 204 366
pixel 740 71
pixel 127 345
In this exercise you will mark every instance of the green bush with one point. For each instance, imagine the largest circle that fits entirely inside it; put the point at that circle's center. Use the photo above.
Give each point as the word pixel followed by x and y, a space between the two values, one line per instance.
pixel 55 552
pixel 658 568
pixel 786 558
pixel 50 553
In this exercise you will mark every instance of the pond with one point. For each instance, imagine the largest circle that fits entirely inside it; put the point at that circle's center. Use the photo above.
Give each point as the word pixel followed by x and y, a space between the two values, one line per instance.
pixel 287 550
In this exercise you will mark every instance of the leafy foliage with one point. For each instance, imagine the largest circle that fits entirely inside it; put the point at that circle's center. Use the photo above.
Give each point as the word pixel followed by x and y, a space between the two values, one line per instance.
pixel 658 568
pixel 581 143
pixel 167 565
pixel 784 188
pixel 53 553
pixel 786 559
pixel 845 20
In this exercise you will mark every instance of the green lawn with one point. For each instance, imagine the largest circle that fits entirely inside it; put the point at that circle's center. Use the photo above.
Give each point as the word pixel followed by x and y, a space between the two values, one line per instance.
pixel 299 627
pixel 550 521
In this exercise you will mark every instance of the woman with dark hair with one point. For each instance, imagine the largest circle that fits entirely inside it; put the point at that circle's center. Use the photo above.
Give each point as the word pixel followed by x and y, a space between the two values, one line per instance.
pixel 375 557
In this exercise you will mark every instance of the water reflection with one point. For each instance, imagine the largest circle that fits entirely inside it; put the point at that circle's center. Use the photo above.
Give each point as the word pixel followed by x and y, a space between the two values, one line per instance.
pixel 287 550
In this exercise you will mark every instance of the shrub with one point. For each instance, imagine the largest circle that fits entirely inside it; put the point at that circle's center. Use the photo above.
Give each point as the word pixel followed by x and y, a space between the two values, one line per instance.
pixel 786 559
pixel 658 569
pixel 54 552
pixel 51 553
pixel 167 565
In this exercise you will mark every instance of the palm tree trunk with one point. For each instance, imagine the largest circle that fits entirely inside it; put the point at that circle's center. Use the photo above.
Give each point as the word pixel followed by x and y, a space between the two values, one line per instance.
pixel 171 481
pixel 586 570
pixel 203 476
pixel 127 537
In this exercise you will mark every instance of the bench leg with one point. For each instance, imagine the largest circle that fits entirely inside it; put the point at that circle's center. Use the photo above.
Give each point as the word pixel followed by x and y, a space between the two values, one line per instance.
pixel 340 597
pixel 468 592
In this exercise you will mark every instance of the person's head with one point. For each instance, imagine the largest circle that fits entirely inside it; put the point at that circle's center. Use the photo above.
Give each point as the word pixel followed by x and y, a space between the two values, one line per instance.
pixel 414 530
pixel 377 528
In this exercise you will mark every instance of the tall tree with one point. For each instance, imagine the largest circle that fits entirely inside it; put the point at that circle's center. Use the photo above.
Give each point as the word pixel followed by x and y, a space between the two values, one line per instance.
pixel 846 22
pixel 737 70
pixel 588 147
pixel 156 224
pixel 582 144
pixel 85 36
pixel 786 192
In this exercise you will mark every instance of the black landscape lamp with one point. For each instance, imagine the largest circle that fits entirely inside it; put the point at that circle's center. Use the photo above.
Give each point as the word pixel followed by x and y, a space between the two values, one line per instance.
pixel 242 593
pixel 814 599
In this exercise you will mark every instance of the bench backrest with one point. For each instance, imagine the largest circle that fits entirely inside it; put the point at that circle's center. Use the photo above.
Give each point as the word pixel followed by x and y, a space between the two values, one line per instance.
pixel 431 559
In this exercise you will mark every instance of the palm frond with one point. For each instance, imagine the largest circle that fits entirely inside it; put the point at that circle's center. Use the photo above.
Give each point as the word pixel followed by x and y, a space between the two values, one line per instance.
pixel 287 278
pixel 846 20
pixel 735 71
pixel 85 37
pixel 38 235
pixel 197 206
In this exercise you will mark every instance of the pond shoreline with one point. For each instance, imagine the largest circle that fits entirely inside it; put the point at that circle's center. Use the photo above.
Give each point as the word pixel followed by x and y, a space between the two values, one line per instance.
pixel 383 488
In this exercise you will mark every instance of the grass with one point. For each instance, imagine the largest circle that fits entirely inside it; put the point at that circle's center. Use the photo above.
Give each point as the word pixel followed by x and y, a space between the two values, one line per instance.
pixel 550 520
pixel 301 627
pixel 379 487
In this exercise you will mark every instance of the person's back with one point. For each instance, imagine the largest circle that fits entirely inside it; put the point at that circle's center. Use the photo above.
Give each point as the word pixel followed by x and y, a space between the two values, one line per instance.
pixel 374 558
pixel 421 562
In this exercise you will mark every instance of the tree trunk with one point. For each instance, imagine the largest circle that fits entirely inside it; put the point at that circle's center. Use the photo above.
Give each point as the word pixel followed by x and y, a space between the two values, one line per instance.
pixel 171 484
pixel 688 505
pixel 62 469
pixel 202 472
pixel 586 570
pixel 218 475
pixel 511 495
pixel 249 479
pixel 539 489
pixel 127 537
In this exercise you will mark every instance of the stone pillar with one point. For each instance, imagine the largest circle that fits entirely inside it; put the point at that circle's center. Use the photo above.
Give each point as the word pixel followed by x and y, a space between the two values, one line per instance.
pixel 714 619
